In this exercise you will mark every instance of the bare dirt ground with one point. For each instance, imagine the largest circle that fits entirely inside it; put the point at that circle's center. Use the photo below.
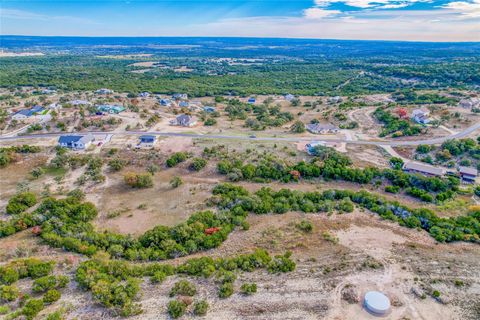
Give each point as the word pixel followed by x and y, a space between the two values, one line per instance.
pixel 365 120
pixel 136 211
pixel 362 253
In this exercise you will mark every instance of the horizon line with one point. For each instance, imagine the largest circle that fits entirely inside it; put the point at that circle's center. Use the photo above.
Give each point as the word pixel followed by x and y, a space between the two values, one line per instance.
pixel 236 37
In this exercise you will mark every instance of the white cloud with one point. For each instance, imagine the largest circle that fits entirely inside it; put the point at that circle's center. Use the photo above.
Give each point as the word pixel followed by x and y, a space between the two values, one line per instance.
pixel 466 9
pixel 27 15
pixel 319 13
pixel 425 25
pixel 364 4
pixel 395 6
pixel 20 14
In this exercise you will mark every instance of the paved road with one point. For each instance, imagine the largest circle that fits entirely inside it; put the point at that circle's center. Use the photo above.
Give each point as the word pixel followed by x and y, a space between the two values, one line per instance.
pixel 392 143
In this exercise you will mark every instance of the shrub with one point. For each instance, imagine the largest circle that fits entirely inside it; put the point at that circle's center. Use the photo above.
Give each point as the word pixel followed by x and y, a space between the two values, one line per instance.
pixel 226 276
pixel 176 182
pixel 298 127
pixel 9 293
pixel 392 189
pixel 37 268
pixel 4 310
pixel 51 296
pixel 176 308
pixel 346 205
pixel 248 288
pixel 44 284
pixel 37 172
pixel 210 122
pixel 477 191
pixel 198 164
pixel 183 288
pixel 138 180
pixel 281 264
pixel 49 282
pixel 21 202
pixel 32 307
pixel 8 275
pixel 176 158
pixel 226 290
pixel 158 277
pixel 459 283
pixel 305 226
pixel 424 148
pixel 200 308
pixel 116 164
pixel 76 194
pixel 57 315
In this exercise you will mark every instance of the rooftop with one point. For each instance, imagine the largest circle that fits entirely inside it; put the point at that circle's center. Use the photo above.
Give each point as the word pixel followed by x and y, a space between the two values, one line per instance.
pixel 321 126
pixel 468 170
pixel 423 168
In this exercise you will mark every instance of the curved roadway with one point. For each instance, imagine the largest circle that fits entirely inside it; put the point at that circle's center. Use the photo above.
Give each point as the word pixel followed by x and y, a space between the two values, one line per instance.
pixel 392 143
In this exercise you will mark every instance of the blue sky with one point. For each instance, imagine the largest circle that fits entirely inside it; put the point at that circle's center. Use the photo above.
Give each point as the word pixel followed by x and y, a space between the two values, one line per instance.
pixel 423 20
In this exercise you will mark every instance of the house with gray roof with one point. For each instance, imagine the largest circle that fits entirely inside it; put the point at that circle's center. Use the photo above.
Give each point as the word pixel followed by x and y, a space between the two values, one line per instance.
pixel 104 91
pixel 470 103
pixel 468 174
pixel 184 120
pixel 421 115
pixel 424 169
pixel 76 142
pixel 27 113
pixel 322 128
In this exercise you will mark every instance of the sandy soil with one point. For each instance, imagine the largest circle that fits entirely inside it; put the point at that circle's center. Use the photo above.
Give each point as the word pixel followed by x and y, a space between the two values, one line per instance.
pixel 141 210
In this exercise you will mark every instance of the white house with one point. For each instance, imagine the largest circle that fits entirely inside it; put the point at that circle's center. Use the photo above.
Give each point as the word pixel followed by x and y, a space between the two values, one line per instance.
pixel 470 103
pixel 76 142
pixel 421 115
pixel 49 91
pixel 79 103
pixel 180 96
pixel 54 106
pixel 184 120
pixel 104 91
pixel 322 128
pixel 336 99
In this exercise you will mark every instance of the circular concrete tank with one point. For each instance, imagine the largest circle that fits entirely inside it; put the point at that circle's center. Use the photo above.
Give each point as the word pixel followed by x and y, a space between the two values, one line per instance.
pixel 377 303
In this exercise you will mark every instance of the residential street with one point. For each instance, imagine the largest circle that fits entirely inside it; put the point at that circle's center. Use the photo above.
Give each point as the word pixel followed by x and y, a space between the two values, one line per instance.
pixel 392 143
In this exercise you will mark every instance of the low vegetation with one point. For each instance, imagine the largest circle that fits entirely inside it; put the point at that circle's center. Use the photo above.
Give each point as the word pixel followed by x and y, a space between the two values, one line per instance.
pixel 115 284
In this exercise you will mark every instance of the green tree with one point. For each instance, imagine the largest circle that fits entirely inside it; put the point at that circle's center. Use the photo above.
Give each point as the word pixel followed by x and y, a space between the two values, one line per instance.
pixel 298 127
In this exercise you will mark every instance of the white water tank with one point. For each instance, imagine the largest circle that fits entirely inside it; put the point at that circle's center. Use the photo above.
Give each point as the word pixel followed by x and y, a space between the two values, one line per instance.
pixel 377 303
